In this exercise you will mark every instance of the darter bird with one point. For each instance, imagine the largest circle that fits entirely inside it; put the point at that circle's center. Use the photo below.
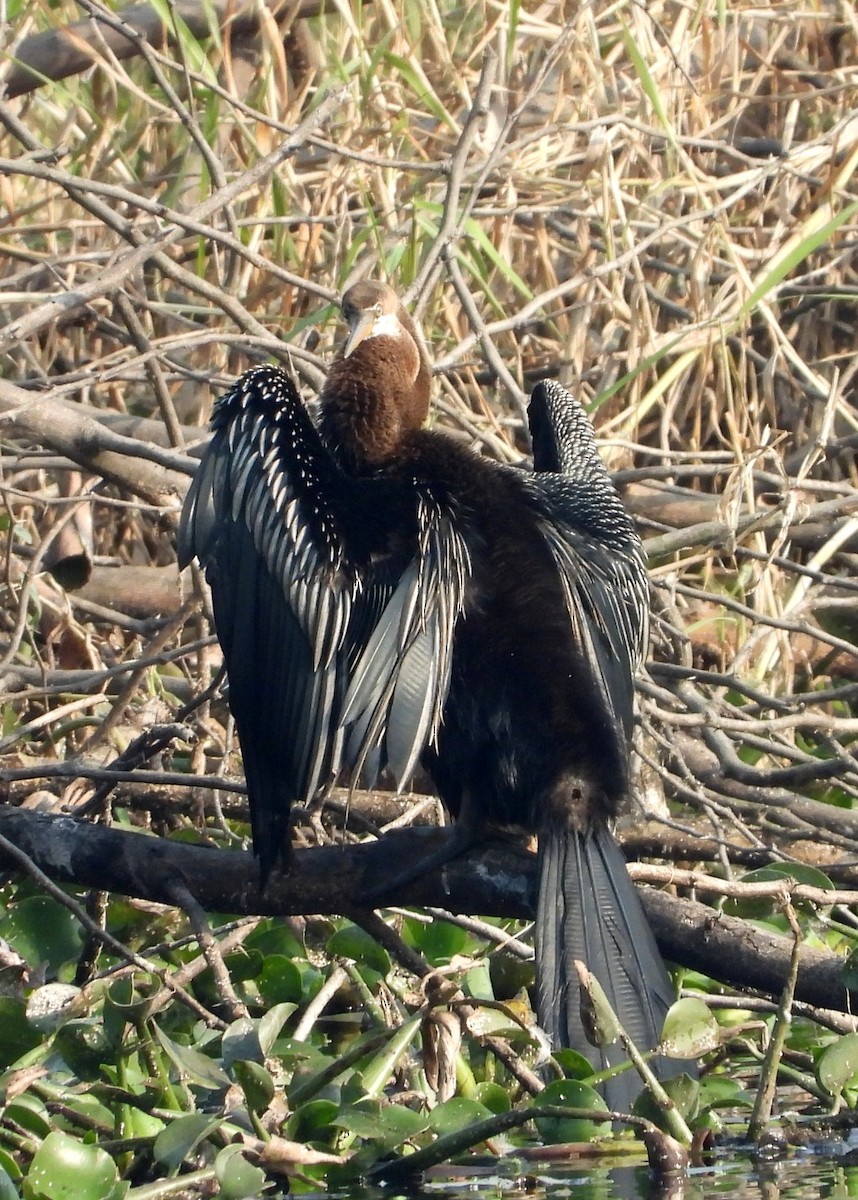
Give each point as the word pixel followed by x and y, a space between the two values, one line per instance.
pixel 385 597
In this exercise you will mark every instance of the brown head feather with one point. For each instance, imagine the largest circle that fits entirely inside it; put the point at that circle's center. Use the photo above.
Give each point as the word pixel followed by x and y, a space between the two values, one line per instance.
pixel 377 390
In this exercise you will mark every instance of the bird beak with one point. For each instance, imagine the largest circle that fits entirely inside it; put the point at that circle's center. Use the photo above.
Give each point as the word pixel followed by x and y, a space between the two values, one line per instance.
pixel 360 327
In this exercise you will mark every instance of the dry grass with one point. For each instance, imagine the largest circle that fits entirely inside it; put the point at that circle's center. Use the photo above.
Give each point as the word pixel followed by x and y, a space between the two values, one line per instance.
pixel 655 202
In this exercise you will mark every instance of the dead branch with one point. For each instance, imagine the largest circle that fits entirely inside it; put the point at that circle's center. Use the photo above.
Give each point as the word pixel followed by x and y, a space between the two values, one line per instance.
pixel 58 53
pixel 497 881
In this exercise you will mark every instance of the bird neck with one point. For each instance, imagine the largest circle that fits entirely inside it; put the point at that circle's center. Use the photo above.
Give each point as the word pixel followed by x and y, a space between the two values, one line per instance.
pixel 374 399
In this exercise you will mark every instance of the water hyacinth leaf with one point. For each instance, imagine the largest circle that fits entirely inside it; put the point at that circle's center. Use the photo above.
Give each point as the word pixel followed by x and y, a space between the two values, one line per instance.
pixel 256 1083
pixel 493 1096
pixel 272 937
pixel 17 1036
pixel 9 1166
pixel 690 1030
pixel 356 944
pixel 573 1064
pixel 28 1111
pixel 8 1190
pixel 240 1042
pixel 837 1068
pixel 51 1005
pixel 570 1093
pixel 141 1124
pixel 510 975
pixel 401 1123
pixel 438 942
pixel 271 1025
pixel 181 1138
pixel 389 1125
pixel 479 980
pixel 363 1121
pixel 279 981
pixel 790 873
pixel 192 1065
pixel 311 1121
pixel 43 931
pixel 498 1020
pixel 84 1047
pixel 455 1114
pixel 683 1091
pixel 64 1168
pixel 720 1091
pixel 237 1177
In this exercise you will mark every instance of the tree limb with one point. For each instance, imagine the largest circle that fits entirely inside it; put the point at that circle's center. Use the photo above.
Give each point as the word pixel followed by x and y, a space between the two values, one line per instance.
pixel 57 53
pixel 499 880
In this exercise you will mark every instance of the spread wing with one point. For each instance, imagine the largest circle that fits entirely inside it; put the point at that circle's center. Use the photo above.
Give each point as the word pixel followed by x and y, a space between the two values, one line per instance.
pixel 595 546
pixel 336 630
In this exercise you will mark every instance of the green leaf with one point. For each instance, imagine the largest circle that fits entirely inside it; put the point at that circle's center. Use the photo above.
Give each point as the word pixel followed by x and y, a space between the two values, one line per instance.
pixel 43 932
pixel 240 1041
pixel 272 937
pixel 456 1114
pixel 192 52
pixel 837 1068
pixel 690 1029
pixel 786 261
pixel 28 1111
pixel 355 943
pixel 480 238
pixel 569 1093
pixel 421 87
pixel 363 1121
pixel 312 1121
pixel 494 1097
pixel 683 1091
pixel 573 1064
pixel 10 1166
pixel 401 1123
pixel 193 1065
pixel 271 1025
pixel 17 1036
pixel 8 1190
pixel 64 1168
pixel 720 1091
pixel 256 1083
pixel 649 85
pixel 439 941
pixel 236 1176
pixel 379 1069
pixel 181 1137
pixel 280 981
pixel 480 981
pixel 390 1125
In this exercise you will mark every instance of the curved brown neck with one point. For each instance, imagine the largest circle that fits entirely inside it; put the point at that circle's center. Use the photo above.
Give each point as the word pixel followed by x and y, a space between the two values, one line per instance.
pixel 374 398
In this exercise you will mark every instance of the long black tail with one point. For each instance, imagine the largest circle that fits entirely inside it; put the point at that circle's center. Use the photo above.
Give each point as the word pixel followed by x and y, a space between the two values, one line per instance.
pixel 589 910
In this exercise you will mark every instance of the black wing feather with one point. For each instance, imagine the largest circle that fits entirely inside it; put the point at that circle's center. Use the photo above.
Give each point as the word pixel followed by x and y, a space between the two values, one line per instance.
pixel 595 547
pixel 337 649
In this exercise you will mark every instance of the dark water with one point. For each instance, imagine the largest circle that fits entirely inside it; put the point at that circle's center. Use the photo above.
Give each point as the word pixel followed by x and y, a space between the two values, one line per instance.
pixel 827 1171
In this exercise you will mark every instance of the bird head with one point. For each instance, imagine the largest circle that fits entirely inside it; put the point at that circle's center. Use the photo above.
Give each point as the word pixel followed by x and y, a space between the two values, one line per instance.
pixel 371 310
pixel 377 390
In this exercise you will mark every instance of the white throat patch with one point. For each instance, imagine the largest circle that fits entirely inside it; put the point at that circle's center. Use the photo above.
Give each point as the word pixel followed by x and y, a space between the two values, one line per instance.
pixel 387 325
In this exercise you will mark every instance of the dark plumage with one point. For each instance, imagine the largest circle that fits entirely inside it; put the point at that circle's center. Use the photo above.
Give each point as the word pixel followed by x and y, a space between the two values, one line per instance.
pixel 384 596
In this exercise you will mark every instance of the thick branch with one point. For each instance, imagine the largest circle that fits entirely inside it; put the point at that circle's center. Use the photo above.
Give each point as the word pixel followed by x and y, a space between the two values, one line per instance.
pixel 58 53
pixel 499 880
pixel 124 461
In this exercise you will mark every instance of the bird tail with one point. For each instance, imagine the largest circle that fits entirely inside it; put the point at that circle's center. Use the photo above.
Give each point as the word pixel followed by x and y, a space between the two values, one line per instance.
pixel 589 910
